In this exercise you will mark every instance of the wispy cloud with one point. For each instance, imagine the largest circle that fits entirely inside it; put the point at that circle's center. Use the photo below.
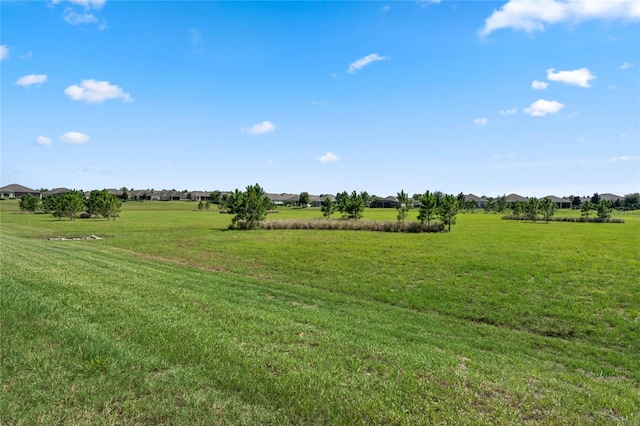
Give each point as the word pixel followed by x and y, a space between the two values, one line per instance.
pixel 27 55
pixel 508 111
pixel 624 158
pixel 4 52
pixel 329 157
pixel 580 77
pixel 534 15
pixel 75 137
pixel 481 121
pixel 539 85
pixel 95 92
pixel 44 141
pixel 260 128
pixel 195 36
pixel 542 107
pixel 29 80
pixel 74 18
pixel 363 62
pixel 626 65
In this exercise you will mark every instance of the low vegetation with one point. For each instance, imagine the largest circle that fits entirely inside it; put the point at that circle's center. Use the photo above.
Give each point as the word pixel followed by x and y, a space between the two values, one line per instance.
pixel 170 318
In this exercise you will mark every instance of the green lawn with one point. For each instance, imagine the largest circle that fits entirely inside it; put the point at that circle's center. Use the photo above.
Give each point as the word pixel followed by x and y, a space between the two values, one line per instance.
pixel 173 319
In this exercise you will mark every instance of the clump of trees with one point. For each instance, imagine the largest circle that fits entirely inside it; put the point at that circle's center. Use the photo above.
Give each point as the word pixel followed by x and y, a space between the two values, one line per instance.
pixel 29 203
pixel 350 206
pixel 250 207
pixel 72 204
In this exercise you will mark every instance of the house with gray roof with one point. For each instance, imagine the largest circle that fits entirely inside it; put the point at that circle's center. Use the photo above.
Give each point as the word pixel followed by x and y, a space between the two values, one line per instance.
pixel 478 201
pixel 560 202
pixel 384 203
pixel 15 191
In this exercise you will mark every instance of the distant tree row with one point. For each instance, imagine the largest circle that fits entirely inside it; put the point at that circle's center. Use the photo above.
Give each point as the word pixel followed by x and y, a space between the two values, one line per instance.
pixel 73 203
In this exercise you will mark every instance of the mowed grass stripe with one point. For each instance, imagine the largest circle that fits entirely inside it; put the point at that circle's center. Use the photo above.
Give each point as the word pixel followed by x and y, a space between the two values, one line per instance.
pixel 297 354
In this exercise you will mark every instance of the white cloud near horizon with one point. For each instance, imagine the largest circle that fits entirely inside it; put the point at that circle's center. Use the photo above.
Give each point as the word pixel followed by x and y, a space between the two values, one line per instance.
pixel 539 85
pixel 74 137
pixel 580 77
pixel 542 107
pixel 32 79
pixel 95 92
pixel 329 157
pixel 534 15
pixel 44 141
pixel 508 111
pixel 624 158
pixel 481 121
pixel 4 52
pixel 260 128
pixel 363 62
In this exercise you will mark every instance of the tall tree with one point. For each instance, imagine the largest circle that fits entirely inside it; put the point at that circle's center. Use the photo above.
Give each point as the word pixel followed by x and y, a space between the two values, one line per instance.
pixel 604 209
pixel 73 204
pixel 342 201
pixel 532 208
pixel 428 208
pixel 595 199
pixel 402 206
pixel 548 208
pixel 328 207
pixel 304 199
pixel 355 206
pixel 585 208
pixel 575 202
pixel 448 210
pixel 252 208
pixel 516 207
pixel 366 198
pixel 29 203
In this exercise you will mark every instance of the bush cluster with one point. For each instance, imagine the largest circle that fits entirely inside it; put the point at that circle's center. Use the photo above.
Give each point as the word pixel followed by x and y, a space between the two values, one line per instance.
pixel 352 225
pixel 569 219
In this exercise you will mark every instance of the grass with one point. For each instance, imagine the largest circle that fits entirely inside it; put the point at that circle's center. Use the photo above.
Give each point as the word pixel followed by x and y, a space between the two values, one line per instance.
pixel 172 319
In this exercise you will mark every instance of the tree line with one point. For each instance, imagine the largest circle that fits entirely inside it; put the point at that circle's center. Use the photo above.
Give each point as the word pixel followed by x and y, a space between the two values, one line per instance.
pixel 100 203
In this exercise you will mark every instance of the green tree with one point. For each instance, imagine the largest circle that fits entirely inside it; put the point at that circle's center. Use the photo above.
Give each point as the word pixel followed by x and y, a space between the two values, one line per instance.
pixel 448 210
pixel 328 207
pixel 125 194
pixel 516 208
pixel 604 209
pixel 595 199
pixel 304 199
pixel 548 208
pixel 501 203
pixel 631 201
pixel 342 203
pixel 428 208
pixel 29 203
pixel 402 206
pixel 355 206
pixel 585 208
pixel 366 198
pixel 72 204
pixel 532 208
pixel 216 197
pixel 252 208
pixel 201 205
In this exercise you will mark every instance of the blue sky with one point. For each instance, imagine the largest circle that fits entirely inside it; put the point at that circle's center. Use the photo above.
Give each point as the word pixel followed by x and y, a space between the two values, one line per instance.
pixel 537 97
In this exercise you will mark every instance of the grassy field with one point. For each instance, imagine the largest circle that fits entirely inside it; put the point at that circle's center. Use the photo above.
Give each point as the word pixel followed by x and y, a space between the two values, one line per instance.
pixel 173 319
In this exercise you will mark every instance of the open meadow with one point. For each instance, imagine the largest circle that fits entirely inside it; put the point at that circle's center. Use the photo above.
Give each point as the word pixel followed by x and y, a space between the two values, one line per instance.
pixel 171 318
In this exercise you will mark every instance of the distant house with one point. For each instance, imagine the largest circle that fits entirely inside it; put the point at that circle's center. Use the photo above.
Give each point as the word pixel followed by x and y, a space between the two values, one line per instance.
pixel 198 196
pixel 384 203
pixel 611 197
pixel 278 199
pixel 560 202
pixel 512 198
pixel 15 191
pixel 316 201
pixel 56 191
pixel 478 201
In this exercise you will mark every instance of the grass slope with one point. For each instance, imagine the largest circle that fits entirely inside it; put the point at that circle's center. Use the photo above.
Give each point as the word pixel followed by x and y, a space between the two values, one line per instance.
pixel 173 320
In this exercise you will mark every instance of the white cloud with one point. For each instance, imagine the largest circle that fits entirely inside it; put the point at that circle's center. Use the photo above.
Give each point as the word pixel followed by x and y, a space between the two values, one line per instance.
pixel 613 87
pixel 29 80
pixel 329 157
pixel 580 77
pixel 542 107
pixel 539 85
pixel 363 62
pixel 386 8
pixel 4 51
pixel 96 92
pixel 623 136
pixel 534 15
pixel 508 111
pixel 74 137
pixel 44 141
pixel 260 128
pixel 89 4
pixel 75 18
pixel 27 55
pixel 481 121
pixel 623 158
pixel 626 65
pixel 196 35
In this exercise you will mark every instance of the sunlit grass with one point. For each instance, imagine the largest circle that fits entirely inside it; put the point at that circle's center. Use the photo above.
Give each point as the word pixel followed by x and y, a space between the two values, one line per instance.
pixel 172 318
